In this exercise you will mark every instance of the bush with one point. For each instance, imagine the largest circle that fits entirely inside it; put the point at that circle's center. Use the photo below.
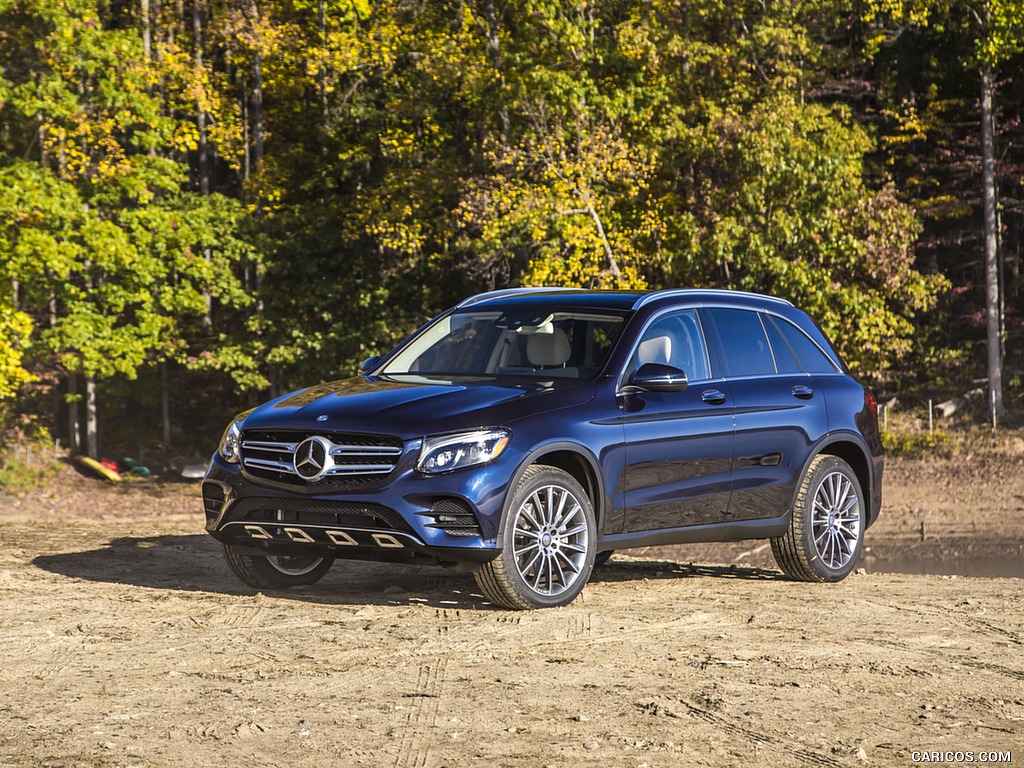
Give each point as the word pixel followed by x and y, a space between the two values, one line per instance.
pixel 916 445
pixel 25 466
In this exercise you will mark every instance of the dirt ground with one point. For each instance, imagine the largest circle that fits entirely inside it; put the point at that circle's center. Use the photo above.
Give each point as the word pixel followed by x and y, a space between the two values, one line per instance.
pixel 125 641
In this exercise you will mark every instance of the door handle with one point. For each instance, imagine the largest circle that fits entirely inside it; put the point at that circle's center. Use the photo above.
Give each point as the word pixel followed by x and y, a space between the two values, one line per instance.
pixel 713 397
pixel 803 392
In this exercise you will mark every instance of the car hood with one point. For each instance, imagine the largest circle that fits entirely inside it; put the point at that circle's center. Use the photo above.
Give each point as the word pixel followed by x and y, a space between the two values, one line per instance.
pixel 415 407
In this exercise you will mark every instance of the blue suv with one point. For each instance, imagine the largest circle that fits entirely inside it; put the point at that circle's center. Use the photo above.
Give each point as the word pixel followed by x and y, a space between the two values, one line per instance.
pixel 527 434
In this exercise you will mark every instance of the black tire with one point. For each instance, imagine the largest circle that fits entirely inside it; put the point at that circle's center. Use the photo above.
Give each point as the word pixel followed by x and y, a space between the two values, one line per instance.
pixel 826 530
pixel 277 571
pixel 548 543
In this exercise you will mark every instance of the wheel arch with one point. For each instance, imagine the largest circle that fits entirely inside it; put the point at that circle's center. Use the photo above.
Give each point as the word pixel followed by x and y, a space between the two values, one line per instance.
pixel 572 458
pixel 851 449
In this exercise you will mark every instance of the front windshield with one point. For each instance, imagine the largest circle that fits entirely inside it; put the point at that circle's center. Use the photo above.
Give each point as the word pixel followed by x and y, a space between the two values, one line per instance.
pixel 545 342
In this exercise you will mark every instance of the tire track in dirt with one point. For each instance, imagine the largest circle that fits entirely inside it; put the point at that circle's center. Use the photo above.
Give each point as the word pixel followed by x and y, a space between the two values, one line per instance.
pixel 989 628
pixel 242 615
pixel 998 669
pixel 414 751
pixel 57 661
pixel 790 749
pixel 580 627
pixel 445 617
pixel 944 615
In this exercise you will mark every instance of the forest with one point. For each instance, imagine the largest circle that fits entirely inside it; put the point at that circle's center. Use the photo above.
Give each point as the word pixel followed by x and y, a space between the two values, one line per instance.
pixel 205 203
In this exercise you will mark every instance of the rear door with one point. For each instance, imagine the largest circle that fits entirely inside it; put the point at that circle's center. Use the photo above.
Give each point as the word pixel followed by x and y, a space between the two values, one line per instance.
pixel 778 411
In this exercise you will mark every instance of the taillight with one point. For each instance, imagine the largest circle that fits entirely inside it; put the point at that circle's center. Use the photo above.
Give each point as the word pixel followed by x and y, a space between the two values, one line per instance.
pixel 870 402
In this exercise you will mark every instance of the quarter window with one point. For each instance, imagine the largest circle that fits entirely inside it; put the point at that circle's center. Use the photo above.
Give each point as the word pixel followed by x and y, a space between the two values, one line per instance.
pixel 810 355
pixel 784 360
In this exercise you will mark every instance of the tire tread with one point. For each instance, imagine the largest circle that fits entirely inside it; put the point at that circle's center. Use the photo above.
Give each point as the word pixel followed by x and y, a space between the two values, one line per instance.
pixel 493 577
pixel 790 554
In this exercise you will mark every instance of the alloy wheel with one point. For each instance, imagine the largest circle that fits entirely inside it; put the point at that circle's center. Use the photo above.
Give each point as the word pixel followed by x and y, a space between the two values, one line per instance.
pixel 551 540
pixel 836 520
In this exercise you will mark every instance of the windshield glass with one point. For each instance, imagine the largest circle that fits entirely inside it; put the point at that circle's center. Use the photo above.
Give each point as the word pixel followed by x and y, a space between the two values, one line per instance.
pixel 545 342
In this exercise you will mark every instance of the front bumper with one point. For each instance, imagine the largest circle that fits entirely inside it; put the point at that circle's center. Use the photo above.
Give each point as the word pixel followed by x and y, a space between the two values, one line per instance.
pixel 450 518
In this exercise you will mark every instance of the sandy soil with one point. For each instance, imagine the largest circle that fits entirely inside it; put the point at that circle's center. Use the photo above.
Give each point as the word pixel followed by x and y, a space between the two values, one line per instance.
pixel 124 641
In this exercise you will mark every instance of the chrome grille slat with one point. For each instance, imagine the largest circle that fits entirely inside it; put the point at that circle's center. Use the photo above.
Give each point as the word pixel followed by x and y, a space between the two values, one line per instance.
pixel 370 469
pixel 357 458
pixel 280 466
pixel 364 450
pixel 270 446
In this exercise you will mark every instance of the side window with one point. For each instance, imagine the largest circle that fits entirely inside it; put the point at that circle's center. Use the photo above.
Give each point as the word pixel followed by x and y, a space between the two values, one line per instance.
pixel 810 355
pixel 784 360
pixel 675 339
pixel 744 342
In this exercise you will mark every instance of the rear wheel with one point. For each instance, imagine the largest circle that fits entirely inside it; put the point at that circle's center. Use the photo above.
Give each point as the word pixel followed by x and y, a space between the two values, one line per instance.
pixel 826 531
pixel 548 544
pixel 277 571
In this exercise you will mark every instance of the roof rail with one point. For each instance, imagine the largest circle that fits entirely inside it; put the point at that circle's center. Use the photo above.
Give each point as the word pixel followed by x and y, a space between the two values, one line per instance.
pixel 507 292
pixel 681 292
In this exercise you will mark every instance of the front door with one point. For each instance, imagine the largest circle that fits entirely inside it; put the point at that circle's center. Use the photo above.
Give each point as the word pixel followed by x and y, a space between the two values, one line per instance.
pixel 679 445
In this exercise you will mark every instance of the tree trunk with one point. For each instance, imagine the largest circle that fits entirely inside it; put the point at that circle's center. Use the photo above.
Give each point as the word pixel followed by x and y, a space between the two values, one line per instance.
pixel 257 110
pixel 165 404
pixel 74 422
pixel 57 410
pixel 321 75
pixel 91 440
pixel 993 338
pixel 246 143
pixel 494 53
pixel 147 30
pixel 198 20
pixel 203 160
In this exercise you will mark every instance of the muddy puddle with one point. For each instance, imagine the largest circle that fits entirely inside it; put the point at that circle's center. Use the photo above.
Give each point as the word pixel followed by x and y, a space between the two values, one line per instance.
pixel 1010 566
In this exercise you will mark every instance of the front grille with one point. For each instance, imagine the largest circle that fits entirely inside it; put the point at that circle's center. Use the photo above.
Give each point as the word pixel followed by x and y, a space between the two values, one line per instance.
pixel 357 459
pixel 306 511
pixel 454 517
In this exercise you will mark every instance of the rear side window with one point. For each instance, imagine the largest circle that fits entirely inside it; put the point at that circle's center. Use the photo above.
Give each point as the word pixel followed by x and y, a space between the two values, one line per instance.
pixel 812 359
pixel 743 342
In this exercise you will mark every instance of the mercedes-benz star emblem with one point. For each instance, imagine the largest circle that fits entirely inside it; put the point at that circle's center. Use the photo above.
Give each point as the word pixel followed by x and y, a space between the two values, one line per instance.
pixel 313 458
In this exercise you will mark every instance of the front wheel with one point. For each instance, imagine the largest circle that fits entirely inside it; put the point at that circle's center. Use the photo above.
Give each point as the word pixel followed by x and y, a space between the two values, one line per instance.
pixel 548 543
pixel 826 531
pixel 277 571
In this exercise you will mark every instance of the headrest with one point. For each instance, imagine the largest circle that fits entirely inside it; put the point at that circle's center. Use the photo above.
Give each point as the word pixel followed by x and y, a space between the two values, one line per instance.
pixel 548 348
pixel 656 350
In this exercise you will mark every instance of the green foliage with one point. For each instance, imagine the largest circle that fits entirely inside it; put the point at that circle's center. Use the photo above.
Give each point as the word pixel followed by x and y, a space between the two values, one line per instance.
pixel 114 260
pixel 916 444
pixel 271 192
pixel 15 329
pixel 783 207
pixel 25 464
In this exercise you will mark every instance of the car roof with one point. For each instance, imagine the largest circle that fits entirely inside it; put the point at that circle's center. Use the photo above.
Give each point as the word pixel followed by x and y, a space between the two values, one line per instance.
pixel 568 297
pixel 617 300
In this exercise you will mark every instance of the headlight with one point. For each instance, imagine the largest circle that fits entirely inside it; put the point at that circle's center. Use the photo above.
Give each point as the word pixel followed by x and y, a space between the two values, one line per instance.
pixel 448 452
pixel 231 440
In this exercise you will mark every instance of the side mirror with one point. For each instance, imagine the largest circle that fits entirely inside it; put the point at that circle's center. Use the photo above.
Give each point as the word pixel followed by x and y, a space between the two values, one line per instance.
pixel 368 364
pixel 656 377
